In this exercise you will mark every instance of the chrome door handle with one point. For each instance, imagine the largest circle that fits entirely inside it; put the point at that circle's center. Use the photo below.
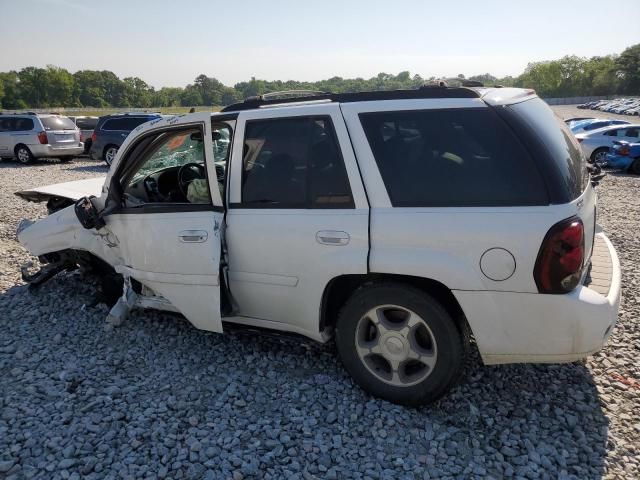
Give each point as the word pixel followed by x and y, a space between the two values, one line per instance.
pixel 332 237
pixel 193 236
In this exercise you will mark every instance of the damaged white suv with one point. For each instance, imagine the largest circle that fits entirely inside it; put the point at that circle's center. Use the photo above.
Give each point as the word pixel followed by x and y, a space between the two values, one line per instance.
pixel 398 223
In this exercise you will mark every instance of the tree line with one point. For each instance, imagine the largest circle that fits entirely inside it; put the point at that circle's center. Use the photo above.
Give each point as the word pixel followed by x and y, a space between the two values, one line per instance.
pixel 34 87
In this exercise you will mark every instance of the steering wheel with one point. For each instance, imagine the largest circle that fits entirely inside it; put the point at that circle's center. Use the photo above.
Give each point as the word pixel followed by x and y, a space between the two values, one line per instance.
pixel 187 174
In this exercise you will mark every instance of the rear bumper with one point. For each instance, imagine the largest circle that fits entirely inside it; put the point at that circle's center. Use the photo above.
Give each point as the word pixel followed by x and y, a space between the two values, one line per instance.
pixel 536 328
pixel 619 161
pixel 51 151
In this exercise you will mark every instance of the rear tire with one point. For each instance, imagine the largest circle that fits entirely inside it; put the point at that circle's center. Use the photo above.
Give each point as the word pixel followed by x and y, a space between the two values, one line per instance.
pixel 599 155
pixel 23 154
pixel 635 166
pixel 400 344
pixel 109 154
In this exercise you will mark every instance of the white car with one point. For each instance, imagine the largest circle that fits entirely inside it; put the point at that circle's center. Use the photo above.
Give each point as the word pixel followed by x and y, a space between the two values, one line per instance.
pixel 596 144
pixel 397 223
pixel 29 136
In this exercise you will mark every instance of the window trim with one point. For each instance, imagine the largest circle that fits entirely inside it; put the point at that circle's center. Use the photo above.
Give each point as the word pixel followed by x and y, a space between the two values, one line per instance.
pixel 307 205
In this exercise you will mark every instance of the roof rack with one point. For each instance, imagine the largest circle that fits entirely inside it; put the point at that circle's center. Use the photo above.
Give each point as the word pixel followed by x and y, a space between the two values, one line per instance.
pixel 425 91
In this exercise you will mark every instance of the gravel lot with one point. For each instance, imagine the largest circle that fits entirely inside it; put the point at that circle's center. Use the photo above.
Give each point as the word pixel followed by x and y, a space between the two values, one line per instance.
pixel 157 398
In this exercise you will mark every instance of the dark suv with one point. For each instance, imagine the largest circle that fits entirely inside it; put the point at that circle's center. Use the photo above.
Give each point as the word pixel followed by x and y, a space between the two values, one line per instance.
pixel 112 130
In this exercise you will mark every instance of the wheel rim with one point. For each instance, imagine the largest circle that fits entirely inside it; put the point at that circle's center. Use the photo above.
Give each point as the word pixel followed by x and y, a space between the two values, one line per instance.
pixel 600 156
pixel 109 156
pixel 396 345
pixel 23 155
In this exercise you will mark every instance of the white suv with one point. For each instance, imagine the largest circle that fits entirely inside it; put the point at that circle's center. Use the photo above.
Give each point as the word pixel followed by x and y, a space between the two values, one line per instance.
pixel 30 136
pixel 398 223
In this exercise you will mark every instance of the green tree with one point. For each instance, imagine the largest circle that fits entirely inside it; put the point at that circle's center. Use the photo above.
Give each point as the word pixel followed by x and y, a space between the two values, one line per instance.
pixel 33 86
pixel 60 88
pixel 628 69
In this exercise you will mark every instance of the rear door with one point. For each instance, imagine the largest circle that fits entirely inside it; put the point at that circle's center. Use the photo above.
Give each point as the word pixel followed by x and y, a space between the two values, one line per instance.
pixel 168 232
pixel 6 148
pixel 61 131
pixel 297 214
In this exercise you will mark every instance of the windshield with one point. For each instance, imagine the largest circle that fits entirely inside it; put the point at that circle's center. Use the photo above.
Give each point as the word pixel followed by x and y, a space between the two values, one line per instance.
pixel 57 123
pixel 173 151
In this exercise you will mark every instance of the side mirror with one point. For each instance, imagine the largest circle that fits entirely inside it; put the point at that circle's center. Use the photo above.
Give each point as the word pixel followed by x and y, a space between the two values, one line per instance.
pixel 88 214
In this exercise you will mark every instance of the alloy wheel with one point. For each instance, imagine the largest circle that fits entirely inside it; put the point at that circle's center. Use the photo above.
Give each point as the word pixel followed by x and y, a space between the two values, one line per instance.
pixel 396 345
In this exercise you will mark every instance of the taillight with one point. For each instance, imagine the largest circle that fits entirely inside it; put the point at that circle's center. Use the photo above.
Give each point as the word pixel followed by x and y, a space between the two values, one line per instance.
pixel 561 258
pixel 623 151
pixel 42 138
pixel 93 137
pixel 580 140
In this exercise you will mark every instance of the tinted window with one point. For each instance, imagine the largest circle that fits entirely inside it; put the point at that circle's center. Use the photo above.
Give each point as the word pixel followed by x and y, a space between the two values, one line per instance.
pixel 632 132
pixel 596 125
pixel 441 158
pixel 294 163
pixel 124 123
pixel 57 123
pixel 86 123
pixel 6 124
pixel 22 124
pixel 558 142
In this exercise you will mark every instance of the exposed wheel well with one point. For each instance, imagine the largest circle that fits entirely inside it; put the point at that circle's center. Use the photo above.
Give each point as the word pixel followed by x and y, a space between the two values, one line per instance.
pixel 15 149
pixel 339 289
pixel 107 147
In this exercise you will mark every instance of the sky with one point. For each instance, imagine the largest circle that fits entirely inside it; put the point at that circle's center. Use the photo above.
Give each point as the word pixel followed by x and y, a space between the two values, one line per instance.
pixel 170 42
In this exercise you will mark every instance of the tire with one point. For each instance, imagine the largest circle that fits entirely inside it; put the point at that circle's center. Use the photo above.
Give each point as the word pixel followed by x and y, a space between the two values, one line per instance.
pixel 635 166
pixel 599 155
pixel 378 318
pixel 23 154
pixel 109 154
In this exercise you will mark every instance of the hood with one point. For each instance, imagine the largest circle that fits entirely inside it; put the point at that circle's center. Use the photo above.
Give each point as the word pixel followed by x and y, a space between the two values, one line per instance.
pixel 71 190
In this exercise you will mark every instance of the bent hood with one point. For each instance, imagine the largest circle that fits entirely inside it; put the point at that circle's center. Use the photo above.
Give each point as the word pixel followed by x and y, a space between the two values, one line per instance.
pixel 71 190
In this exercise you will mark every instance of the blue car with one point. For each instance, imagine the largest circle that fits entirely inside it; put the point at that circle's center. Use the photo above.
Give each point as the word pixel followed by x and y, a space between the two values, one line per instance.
pixel 593 124
pixel 624 156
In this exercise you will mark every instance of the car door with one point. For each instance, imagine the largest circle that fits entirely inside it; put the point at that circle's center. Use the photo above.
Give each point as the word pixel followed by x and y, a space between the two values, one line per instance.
pixel 5 137
pixel 297 214
pixel 168 230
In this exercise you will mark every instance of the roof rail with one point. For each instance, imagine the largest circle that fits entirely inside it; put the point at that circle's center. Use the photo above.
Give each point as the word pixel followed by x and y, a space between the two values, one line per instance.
pixel 425 91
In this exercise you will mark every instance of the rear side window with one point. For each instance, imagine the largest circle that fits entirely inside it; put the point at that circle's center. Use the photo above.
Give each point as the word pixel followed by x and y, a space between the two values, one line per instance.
pixel 57 123
pixel 294 163
pixel 22 125
pixel 447 158
pixel 558 142
pixel 86 123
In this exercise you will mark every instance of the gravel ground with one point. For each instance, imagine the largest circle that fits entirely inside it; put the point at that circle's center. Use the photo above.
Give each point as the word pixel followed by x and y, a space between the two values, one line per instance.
pixel 156 398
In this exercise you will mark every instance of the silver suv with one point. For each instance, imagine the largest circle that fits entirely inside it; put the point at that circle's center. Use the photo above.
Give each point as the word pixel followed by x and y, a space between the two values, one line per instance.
pixel 30 136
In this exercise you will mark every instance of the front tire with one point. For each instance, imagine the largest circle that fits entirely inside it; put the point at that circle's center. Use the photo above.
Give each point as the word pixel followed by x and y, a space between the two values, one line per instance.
pixel 400 344
pixel 23 154
pixel 635 166
pixel 110 154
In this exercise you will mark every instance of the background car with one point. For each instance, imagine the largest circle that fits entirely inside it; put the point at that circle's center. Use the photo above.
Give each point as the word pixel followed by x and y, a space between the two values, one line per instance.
pixel 86 125
pixel 624 156
pixel 594 124
pixel 622 106
pixel 29 136
pixel 112 130
pixel 596 144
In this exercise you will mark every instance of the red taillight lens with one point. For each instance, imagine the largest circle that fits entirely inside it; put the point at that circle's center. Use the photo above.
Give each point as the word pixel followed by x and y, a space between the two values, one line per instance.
pixel 93 137
pixel 561 258
pixel 623 151
pixel 42 138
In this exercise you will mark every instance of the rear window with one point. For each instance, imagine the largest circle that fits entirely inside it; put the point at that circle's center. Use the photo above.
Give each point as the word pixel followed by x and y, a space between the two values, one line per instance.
pixel 558 141
pixel 124 123
pixel 446 158
pixel 57 123
pixel 86 123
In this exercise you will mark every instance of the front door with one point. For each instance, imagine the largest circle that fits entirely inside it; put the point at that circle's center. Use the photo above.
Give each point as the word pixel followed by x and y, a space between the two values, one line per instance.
pixel 169 229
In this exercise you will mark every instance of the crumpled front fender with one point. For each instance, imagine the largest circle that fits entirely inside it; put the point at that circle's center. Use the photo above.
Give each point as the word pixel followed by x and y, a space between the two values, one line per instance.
pixel 62 231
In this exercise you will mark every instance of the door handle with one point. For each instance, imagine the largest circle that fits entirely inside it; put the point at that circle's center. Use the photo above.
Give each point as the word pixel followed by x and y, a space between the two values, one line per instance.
pixel 193 236
pixel 332 237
